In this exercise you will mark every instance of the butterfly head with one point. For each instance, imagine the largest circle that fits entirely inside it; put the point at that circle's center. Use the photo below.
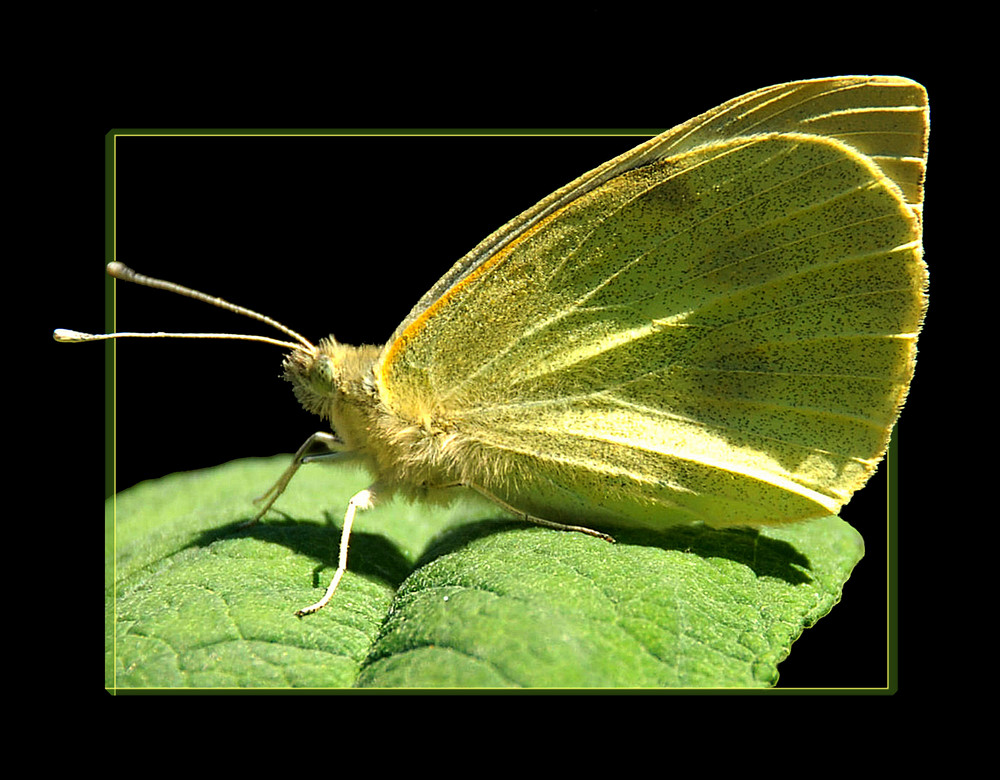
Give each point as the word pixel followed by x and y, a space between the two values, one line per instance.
pixel 330 375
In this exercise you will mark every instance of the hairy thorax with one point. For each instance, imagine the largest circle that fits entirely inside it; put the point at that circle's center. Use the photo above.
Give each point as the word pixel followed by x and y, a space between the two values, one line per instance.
pixel 337 382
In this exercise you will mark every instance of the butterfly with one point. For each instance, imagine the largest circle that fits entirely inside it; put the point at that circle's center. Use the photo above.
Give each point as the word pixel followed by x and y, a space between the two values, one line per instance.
pixel 718 326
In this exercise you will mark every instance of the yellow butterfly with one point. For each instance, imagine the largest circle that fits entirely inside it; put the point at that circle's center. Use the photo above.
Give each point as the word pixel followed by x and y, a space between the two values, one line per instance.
pixel 718 326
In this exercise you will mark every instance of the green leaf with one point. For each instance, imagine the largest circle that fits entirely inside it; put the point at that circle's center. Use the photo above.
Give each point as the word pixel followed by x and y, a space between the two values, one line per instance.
pixel 443 597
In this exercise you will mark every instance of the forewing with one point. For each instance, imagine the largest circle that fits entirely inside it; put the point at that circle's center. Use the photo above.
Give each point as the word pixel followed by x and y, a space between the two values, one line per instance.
pixel 883 117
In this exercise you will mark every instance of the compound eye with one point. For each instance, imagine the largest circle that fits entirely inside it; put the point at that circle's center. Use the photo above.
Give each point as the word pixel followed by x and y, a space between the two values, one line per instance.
pixel 321 376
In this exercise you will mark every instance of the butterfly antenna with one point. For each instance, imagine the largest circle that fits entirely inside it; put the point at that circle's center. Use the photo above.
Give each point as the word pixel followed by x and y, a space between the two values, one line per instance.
pixel 126 274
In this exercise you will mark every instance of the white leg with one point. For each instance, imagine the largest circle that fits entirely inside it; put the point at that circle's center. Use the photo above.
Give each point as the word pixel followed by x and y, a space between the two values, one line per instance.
pixel 364 499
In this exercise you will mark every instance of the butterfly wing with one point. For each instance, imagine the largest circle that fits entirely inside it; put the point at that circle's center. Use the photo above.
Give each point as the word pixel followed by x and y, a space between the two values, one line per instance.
pixel 719 325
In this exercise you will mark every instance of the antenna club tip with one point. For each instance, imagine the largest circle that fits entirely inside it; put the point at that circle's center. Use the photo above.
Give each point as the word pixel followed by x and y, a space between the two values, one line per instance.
pixel 119 270
pixel 64 335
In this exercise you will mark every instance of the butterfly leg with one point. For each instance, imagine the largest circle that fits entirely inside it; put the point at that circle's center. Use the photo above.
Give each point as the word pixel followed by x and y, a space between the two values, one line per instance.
pixel 363 499
pixel 540 521
pixel 325 441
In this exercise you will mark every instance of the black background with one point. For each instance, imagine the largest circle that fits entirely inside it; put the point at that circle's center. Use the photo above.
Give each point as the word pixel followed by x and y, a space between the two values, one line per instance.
pixel 342 235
